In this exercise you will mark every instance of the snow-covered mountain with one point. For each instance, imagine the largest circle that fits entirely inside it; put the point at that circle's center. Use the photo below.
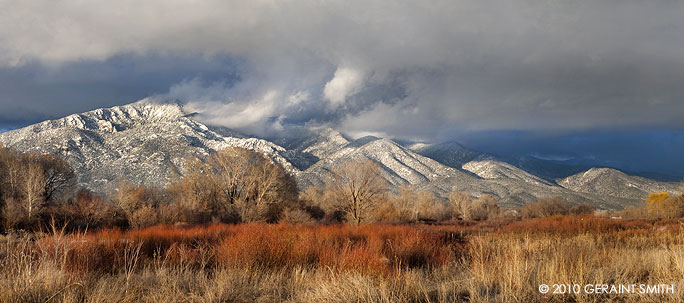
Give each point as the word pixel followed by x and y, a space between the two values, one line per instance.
pixel 612 182
pixel 400 165
pixel 492 169
pixel 147 142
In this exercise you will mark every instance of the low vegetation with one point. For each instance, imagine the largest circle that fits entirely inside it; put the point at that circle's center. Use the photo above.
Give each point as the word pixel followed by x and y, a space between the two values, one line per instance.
pixel 236 228
pixel 489 261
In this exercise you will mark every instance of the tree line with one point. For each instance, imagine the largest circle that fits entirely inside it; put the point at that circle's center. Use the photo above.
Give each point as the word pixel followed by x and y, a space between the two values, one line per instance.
pixel 236 185
pixel 29 184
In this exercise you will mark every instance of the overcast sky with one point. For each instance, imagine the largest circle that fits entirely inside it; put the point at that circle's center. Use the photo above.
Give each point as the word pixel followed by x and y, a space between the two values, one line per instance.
pixel 511 76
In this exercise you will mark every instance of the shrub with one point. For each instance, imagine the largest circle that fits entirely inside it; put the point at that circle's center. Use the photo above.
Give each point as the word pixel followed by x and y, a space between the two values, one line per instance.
pixel 582 209
pixel 296 216
pixel 388 213
pixel 546 207
pixel 661 205
pixel 431 208
pixel 144 217
pixel 633 212
pixel 411 205
pixel 315 211
pixel 15 216
pixel 482 208
pixel 173 214
pixel 87 211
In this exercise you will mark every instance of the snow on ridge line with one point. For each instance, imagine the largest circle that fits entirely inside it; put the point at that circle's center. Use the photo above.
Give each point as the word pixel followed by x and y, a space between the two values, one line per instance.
pixel 491 169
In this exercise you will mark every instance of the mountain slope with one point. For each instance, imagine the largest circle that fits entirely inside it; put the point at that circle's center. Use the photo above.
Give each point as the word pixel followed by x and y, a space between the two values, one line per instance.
pixel 400 165
pixel 492 169
pixel 614 183
pixel 145 142
pixel 325 143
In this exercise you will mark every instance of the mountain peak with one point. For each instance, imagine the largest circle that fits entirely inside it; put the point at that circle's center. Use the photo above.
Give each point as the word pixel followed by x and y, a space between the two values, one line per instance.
pixel 612 182
pixel 145 142
pixel 492 169
pixel 601 172
pixel 152 101
pixel 363 141
pixel 116 118
pixel 148 140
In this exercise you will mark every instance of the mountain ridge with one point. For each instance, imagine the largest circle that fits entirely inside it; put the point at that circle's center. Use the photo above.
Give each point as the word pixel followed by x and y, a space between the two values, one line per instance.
pixel 146 141
pixel 143 141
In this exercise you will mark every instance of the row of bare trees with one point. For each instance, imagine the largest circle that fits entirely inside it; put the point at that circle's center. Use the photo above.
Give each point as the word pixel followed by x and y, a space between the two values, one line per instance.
pixel 231 185
pixel 237 184
pixel 234 185
pixel 29 183
pixel 357 192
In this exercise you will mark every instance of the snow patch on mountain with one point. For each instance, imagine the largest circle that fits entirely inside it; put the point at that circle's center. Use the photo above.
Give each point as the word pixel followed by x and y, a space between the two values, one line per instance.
pixel 491 169
pixel 612 182
pixel 399 164
pixel 326 143
pixel 145 142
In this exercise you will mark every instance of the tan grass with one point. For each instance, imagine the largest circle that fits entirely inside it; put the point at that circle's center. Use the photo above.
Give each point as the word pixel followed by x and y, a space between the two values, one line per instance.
pixel 503 262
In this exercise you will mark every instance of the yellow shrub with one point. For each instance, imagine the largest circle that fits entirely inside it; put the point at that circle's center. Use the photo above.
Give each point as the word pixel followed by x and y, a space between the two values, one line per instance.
pixel 663 206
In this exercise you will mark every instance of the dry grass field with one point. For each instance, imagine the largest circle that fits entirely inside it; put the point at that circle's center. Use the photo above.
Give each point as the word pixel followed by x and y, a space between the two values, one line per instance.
pixel 491 261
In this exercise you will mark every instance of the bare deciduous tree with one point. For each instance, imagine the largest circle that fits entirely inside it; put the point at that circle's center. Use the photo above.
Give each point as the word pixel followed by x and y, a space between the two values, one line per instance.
pixel 430 207
pixel 251 182
pixel 130 198
pixel 405 204
pixel 60 178
pixel 356 187
pixel 197 190
pixel 483 208
pixel 33 189
pixel 238 180
pixel 28 182
pixel 11 173
pixel 460 201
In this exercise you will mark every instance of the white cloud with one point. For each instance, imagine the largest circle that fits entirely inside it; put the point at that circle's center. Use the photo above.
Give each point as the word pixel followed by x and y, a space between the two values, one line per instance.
pixel 456 64
pixel 346 82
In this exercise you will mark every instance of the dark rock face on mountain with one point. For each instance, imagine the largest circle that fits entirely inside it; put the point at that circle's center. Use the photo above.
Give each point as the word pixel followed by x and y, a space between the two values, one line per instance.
pixel 147 141
pixel 451 154
pixel 545 169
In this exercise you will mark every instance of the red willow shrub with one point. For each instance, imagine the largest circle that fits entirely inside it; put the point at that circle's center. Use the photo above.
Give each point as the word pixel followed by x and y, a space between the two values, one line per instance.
pixel 575 224
pixel 370 248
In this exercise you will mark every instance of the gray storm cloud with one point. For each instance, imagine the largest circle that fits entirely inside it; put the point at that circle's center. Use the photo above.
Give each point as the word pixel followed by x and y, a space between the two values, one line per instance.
pixel 412 69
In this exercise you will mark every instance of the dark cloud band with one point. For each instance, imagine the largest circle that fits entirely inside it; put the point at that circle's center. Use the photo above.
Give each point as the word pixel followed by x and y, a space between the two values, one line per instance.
pixel 410 70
